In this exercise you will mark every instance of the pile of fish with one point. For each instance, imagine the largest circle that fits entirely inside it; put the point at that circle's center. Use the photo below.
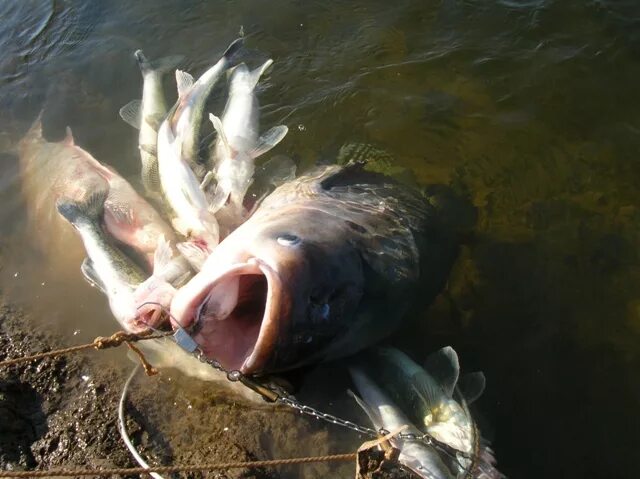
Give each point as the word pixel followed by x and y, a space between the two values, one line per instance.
pixel 321 268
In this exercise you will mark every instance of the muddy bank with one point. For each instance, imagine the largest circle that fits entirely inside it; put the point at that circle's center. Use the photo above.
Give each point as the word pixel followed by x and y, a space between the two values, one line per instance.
pixel 63 413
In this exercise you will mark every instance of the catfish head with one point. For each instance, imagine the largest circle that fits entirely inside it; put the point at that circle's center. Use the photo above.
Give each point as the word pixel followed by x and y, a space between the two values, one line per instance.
pixel 275 294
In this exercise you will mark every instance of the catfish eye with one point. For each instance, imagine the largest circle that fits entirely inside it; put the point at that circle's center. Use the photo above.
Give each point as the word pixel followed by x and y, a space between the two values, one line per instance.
pixel 288 240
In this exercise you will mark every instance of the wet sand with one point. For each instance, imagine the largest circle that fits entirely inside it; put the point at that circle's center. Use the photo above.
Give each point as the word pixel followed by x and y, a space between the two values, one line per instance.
pixel 62 412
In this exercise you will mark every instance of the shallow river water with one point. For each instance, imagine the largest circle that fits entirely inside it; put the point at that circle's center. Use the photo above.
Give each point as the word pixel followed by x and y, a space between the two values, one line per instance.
pixel 530 108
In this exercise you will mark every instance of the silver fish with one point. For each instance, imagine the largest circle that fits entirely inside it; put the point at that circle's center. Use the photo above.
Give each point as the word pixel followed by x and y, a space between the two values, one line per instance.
pixel 385 414
pixel 147 114
pixel 238 143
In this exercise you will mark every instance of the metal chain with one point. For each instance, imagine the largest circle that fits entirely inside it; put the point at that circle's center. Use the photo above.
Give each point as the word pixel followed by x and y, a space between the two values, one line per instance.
pixel 280 396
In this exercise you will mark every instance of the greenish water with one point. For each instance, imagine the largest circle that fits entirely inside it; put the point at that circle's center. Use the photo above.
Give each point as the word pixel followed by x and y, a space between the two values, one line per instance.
pixel 528 107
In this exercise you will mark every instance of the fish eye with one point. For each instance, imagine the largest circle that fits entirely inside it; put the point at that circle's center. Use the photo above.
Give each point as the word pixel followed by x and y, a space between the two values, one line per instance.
pixel 288 240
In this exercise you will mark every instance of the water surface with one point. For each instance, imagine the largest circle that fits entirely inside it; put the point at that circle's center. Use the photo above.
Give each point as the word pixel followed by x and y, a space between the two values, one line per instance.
pixel 530 108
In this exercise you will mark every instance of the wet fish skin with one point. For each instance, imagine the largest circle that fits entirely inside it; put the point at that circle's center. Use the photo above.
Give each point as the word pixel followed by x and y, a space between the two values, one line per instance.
pixel 334 258
pixel 426 395
pixel 146 115
pixel 107 267
pixel 385 414
pixel 238 143
pixel 178 146
pixel 188 113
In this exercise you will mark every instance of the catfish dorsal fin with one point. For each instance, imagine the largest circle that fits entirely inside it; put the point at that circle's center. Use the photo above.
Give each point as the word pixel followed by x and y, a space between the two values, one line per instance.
pixel 184 81
pixel 68 139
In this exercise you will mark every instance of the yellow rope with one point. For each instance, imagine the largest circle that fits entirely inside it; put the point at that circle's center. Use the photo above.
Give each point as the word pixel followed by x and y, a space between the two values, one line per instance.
pixel 183 468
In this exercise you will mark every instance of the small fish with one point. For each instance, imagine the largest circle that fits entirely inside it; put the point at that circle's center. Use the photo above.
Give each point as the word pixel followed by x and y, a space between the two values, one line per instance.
pixel 106 266
pixel 187 116
pixel 147 114
pixel 326 266
pixel 178 145
pixel 238 143
pixel 435 399
pixel 422 459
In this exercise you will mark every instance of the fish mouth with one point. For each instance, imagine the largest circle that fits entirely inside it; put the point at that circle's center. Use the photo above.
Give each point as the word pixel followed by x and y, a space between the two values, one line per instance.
pixel 234 317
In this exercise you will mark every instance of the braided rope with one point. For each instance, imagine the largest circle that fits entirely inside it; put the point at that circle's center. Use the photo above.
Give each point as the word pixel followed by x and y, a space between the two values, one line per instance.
pixel 101 342
pixel 178 468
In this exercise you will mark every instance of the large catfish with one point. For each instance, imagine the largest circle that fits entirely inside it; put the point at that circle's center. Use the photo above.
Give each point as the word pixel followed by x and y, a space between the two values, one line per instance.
pixel 326 266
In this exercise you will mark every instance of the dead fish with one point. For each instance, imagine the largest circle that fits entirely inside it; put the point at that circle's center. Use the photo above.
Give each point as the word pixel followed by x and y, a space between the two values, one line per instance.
pixel 435 399
pixel 421 458
pixel 147 114
pixel 106 267
pixel 178 152
pixel 326 266
pixel 238 143
pixel 188 113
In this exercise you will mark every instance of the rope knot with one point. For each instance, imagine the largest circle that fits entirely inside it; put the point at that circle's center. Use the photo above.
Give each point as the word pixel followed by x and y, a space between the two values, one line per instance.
pixel 116 339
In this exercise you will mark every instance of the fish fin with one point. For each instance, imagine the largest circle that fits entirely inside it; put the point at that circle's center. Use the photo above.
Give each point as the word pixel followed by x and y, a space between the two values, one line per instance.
pixel 162 256
pixel 194 254
pixel 206 180
pixel 233 48
pixel 121 213
pixel 184 81
pixel 35 130
pixel 444 367
pixel 91 208
pixel 217 125
pixel 472 385
pixel 68 139
pixel 371 414
pixel 269 139
pixel 130 113
pixel 180 226
pixel 217 200
pixel 160 65
pixel 91 275
pixel 151 149
pixel 154 121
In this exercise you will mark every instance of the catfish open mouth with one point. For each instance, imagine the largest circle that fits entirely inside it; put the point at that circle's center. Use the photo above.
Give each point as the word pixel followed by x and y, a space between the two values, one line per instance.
pixel 234 316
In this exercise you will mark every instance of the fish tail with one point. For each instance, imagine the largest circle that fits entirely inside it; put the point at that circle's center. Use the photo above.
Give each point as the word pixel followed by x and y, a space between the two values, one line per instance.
pixel 160 65
pixel 88 210
pixel 233 48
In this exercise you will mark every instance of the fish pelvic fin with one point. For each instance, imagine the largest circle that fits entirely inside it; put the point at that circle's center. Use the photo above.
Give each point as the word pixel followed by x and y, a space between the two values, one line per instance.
pixel 91 275
pixel 89 209
pixel 269 139
pixel 35 130
pixel 160 65
pixel 217 125
pixel 130 113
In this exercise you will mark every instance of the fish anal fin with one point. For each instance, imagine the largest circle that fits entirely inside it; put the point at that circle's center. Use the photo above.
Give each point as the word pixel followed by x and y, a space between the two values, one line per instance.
pixel 154 121
pixel 130 113
pixel 217 125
